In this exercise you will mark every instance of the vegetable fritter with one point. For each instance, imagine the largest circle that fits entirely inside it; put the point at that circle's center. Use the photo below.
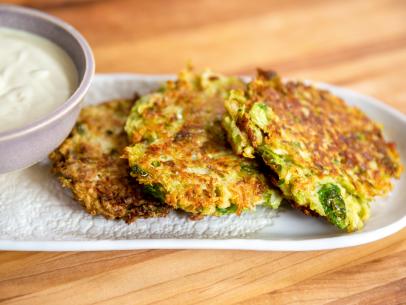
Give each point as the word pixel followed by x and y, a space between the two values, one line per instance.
pixel 181 154
pixel 88 163
pixel 329 158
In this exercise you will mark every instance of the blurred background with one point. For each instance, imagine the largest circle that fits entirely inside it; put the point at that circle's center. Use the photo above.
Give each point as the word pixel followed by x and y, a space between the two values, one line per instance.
pixel 360 43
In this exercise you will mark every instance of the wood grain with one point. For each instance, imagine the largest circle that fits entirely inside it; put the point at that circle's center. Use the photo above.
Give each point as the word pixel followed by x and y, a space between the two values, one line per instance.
pixel 357 44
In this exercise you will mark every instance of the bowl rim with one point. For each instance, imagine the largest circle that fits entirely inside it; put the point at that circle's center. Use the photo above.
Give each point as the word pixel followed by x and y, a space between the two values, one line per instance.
pixel 81 88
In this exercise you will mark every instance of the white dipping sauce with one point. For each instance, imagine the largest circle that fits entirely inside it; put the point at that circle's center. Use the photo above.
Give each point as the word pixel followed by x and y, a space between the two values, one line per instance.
pixel 36 76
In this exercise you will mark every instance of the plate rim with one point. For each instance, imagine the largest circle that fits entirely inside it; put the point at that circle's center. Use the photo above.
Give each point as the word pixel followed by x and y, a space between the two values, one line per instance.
pixel 257 244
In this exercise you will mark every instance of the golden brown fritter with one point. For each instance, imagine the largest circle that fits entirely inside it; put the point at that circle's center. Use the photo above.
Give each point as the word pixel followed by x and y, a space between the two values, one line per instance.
pixel 88 163
pixel 180 152
pixel 329 157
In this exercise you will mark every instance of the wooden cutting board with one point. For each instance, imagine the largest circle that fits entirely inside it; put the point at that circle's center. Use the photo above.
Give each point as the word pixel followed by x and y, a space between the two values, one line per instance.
pixel 357 44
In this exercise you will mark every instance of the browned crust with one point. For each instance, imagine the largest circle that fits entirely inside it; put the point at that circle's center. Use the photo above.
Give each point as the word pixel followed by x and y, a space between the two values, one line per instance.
pixel 341 140
pixel 88 163
pixel 197 141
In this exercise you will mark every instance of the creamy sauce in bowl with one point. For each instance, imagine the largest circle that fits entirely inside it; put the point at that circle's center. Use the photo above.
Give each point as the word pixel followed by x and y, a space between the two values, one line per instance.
pixel 36 76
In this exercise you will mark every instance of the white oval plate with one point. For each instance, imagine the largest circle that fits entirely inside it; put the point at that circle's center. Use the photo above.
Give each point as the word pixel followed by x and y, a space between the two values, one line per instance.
pixel 290 231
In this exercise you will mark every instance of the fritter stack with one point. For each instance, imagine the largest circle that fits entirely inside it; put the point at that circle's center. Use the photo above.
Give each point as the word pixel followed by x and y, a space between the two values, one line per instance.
pixel 290 143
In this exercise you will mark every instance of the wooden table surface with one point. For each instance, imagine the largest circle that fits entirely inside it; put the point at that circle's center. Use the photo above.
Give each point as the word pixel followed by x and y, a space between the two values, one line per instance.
pixel 357 44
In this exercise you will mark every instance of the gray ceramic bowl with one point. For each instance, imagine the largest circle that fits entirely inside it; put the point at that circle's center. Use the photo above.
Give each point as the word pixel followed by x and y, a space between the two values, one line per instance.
pixel 22 147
